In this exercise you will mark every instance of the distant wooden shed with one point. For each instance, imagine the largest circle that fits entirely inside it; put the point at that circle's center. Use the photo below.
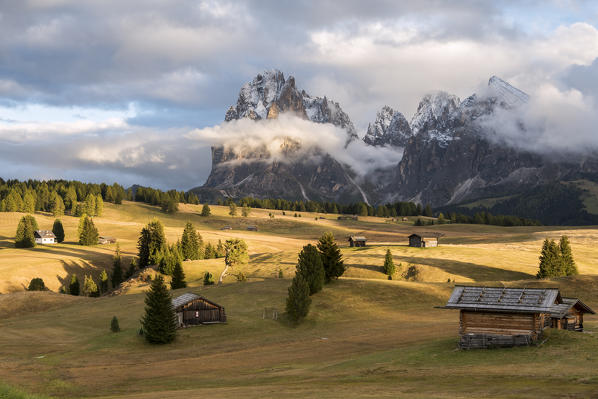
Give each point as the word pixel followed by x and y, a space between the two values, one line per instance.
pixel 357 241
pixel 192 309
pixel 503 317
pixel 423 240
pixel 106 240
pixel 252 228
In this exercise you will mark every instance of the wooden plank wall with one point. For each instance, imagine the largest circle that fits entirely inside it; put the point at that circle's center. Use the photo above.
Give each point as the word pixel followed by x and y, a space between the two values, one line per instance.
pixel 500 323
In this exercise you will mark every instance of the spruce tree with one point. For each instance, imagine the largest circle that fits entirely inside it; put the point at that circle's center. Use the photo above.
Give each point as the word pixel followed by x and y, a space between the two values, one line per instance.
pixel 36 284
pixel 209 252
pixel 74 285
pixel 190 243
pixel 332 260
pixel 220 250
pixel 569 266
pixel 89 233
pixel 71 200
pixel 159 322
pixel 389 266
pixel 117 270
pixel 114 327
pixel 99 205
pixel 90 204
pixel 58 230
pixel 103 282
pixel 132 268
pixel 205 210
pixel 298 300
pixel 57 205
pixel 28 203
pixel 151 243
pixel 232 209
pixel 178 276
pixel 24 237
pixel 90 288
pixel 550 260
pixel 310 267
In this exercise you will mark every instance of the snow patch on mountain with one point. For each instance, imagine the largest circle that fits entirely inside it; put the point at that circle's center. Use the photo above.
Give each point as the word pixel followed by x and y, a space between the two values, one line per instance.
pixel 389 128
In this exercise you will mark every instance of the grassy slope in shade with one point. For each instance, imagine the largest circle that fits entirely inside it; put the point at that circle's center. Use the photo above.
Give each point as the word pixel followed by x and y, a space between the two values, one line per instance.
pixel 364 337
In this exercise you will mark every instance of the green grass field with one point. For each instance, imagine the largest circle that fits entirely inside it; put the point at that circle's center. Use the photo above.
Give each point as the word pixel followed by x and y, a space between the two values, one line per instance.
pixel 365 336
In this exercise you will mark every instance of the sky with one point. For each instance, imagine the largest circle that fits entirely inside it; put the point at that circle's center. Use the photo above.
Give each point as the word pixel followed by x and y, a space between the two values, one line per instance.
pixel 133 91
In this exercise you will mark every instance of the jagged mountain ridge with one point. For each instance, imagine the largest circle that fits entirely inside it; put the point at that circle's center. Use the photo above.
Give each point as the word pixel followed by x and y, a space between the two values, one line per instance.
pixel 448 158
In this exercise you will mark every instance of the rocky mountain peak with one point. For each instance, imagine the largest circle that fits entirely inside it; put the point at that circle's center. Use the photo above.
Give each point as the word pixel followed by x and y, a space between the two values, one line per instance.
pixel 506 95
pixel 389 128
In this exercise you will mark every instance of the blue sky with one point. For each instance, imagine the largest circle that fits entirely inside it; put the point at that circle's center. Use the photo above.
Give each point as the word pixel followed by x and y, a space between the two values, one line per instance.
pixel 109 90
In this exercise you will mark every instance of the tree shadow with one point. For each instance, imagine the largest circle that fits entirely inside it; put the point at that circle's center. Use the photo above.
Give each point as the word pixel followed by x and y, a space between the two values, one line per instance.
pixel 7 242
pixel 80 269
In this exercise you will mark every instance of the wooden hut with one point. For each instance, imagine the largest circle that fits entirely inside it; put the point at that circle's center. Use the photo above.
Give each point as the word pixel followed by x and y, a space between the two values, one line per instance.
pixel 106 240
pixel 423 240
pixel 357 241
pixel 503 317
pixel 251 228
pixel 569 314
pixel 192 309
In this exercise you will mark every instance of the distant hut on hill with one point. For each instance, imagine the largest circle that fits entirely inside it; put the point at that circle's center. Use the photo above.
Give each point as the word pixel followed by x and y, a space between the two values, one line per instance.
pixel 424 240
pixel 192 309
pixel 106 240
pixel 503 317
pixel 252 228
pixel 357 241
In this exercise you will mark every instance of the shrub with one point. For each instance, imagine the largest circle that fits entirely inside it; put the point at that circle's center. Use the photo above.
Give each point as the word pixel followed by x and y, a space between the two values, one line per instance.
pixel 208 279
pixel 114 327
pixel 36 284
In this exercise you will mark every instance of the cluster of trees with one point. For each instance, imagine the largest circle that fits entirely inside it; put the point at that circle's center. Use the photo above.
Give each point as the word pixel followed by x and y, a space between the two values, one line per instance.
pixel 25 238
pixel 478 218
pixel 556 260
pixel 316 266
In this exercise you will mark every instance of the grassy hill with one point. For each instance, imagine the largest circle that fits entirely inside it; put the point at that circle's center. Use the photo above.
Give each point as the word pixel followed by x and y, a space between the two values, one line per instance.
pixel 364 337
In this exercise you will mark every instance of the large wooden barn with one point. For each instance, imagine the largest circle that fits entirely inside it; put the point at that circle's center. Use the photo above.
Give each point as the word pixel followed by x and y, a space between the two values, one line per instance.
pixel 192 309
pixel 423 240
pixel 357 241
pixel 503 317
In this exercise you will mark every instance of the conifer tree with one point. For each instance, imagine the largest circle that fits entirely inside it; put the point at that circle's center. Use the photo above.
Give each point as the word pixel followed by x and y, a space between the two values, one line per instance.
pixel 190 242
pixel 246 211
pixel 81 223
pixel 232 209
pixel 159 322
pixel 57 206
pixel 550 261
pixel 74 285
pixel 332 260
pixel 151 243
pixel 210 252
pixel 99 205
pixel 132 268
pixel 89 233
pixel 178 276
pixel 117 270
pixel 220 251
pixel 363 209
pixel 298 300
pixel 90 288
pixel 24 237
pixel 58 230
pixel 205 210
pixel 29 203
pixel 208 279
pixel 90 205
pixel 36 284
pixel 309 266
pixel 71 200
pixel 114 327
pixel 103 282
pixel 570 268
pixel 389 266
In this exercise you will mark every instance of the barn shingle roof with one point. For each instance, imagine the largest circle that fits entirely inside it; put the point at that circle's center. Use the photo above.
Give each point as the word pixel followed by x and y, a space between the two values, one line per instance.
pixel 561 309
pixel 502 299
pixel 358 238
pixel 183 299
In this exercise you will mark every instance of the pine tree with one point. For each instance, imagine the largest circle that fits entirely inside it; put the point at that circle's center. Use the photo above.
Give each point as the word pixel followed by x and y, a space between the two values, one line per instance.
pixel 205 210
pixel 57 206
pixel 81 223
pixel 159 322
pixel 74 285
pixel 90 205
pixel 190 242
pixel 29 203
pixel 103 282
pixel 117 271
pixel 232 209
pixel 89 233
pixel 210 252
pixel 332 260
pixel 363 209
pixel 570 268
pixel 99 205
pixel 389 266
pixel 58 230
pixel 428 211
pixel 310 267
pixel 151 242
pixel 178 276
pixel 114 327
pixel 36 284
pixel 246 211
pixel 24 237
pixel 298 300
pixel 70 201
pixel 132 268
pixel 208 279
pixel 90 288
pixel 220 251
pixel 550 261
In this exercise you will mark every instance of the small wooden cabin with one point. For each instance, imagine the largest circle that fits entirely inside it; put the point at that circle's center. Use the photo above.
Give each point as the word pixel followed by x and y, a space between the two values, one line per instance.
pixel 569 314
pixel 503 317
pixel 192 309
pixel 251 228
pixel 44 237
pixel 106 240
pixel 357 241
pixel 423 241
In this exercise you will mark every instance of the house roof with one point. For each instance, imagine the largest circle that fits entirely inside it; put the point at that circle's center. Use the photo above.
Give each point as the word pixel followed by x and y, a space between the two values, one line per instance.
pixel 426 236
pixel 44 234
pixel 561 309
pixel 502 299
pixel 357 238
pixel 188 297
